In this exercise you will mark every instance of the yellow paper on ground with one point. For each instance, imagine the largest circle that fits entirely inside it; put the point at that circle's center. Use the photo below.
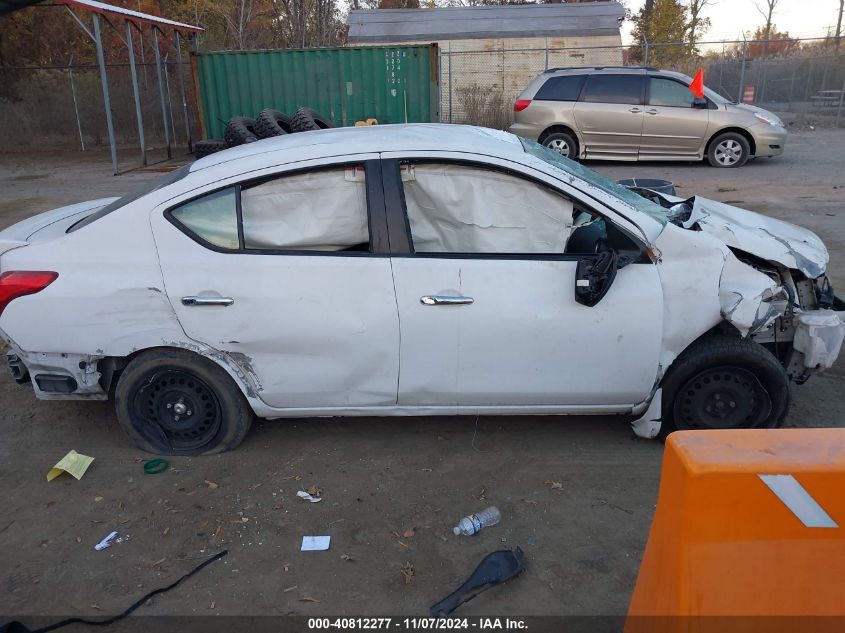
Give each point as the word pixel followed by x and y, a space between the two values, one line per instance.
pixel 73 464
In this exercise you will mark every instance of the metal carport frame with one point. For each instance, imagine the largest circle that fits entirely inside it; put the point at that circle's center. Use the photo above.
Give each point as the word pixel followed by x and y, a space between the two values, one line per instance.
pixel 135 20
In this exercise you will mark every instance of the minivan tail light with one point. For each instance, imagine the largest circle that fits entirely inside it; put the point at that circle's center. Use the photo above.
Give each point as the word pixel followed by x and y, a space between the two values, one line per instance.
pixel 18 283
pixel 521 104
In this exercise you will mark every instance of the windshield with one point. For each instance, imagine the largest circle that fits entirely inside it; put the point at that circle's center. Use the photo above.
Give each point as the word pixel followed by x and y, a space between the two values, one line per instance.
pixel 157 183
pixel 597 180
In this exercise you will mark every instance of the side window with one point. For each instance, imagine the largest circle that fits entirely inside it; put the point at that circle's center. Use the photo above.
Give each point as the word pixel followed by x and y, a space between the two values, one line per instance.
pixel 324 210
pixel 666 92
pixel 623 89
pixel 565 88
pixel 213 218
pixel 472 209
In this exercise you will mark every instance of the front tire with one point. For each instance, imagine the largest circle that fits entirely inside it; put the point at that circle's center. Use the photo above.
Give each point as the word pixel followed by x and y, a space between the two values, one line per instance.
pixel 722 382
pixel 172 402
pixel 728 150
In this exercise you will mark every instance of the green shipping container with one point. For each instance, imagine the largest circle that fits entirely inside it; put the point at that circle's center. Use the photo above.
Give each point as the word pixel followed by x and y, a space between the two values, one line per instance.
pixel 393 84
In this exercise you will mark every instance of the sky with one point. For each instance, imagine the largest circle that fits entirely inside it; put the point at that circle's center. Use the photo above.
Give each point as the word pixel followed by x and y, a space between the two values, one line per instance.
pixel 729 18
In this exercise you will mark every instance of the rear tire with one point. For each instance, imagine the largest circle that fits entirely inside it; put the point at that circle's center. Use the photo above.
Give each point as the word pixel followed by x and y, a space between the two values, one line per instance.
pixel 724 382
pixel 173 402
pixel 563 143
pixel 271 123
pixel 728 150
pixel 240 130
pixel 307 120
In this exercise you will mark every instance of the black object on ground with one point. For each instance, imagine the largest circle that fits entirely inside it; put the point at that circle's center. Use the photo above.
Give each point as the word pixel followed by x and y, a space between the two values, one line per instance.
pixel 655 184
pixel 17 627
pixel 270 122
pixel 306 120
pixel 495 569
pixel 208 146
pixel 240 130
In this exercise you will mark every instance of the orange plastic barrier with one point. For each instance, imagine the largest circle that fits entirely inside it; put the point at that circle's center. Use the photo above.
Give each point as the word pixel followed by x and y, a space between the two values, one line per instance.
pixel 749 534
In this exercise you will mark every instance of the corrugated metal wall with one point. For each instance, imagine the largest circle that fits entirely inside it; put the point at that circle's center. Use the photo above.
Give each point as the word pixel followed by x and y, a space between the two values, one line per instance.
pixel 394 84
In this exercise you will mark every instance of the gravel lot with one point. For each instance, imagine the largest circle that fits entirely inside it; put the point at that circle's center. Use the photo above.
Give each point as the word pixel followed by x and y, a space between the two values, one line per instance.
pixel 381 479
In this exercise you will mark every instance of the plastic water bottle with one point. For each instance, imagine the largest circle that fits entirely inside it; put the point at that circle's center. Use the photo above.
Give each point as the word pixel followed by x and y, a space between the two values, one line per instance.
pixel 473 523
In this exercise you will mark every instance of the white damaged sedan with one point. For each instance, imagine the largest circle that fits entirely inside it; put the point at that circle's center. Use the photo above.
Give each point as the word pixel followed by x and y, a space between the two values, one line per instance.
pixel 410 270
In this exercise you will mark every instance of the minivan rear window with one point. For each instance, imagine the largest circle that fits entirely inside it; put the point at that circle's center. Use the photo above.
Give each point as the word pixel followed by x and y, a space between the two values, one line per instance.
pixel 565 88
pixel 625 89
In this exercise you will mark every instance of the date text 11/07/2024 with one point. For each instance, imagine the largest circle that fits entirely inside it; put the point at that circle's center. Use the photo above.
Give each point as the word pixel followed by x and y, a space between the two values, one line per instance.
pixel 417 624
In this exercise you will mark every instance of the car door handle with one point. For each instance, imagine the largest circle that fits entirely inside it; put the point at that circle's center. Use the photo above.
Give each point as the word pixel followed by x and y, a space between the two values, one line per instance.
pixel 207 301
pixel 635 110
pixel 652 111
pixel 445 300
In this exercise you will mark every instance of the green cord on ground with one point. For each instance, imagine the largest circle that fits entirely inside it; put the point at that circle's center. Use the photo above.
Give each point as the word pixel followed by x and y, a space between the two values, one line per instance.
pixel 156 466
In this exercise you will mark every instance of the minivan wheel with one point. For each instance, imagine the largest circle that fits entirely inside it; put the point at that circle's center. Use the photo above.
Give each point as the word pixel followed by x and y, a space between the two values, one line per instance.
pixel 728 150
pixel 172 402
pixel 721 382
pixel 563 143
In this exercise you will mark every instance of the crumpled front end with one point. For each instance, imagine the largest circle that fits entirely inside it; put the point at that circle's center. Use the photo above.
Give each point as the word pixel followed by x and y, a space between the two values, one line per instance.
pixel 729 268
pixel 772 286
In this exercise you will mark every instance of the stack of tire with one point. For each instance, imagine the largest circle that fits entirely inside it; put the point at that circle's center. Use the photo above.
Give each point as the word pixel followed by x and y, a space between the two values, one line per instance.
pixel 269 122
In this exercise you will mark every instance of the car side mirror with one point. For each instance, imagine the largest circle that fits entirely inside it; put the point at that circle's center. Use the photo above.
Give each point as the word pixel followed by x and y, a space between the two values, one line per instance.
pixel 594 276
pixel 700 103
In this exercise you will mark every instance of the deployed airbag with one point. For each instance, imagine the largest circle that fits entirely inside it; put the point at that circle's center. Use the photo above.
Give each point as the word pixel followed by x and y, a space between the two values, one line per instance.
pixel 461 209
pixel 320 211
pixel 819 335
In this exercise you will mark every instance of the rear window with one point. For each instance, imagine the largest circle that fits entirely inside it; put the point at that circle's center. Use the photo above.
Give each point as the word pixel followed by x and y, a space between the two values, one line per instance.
pixel 158 183
pixel 625 89
pixel 566 88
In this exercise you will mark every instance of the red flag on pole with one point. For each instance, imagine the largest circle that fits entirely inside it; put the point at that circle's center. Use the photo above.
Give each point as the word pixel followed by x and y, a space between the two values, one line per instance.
pixel 697 85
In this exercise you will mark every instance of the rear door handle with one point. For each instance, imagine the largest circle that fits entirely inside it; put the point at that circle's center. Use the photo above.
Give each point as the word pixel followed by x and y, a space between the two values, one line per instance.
pixel 445 300
pixel 635 110
pixel 652 111
pixel 207 301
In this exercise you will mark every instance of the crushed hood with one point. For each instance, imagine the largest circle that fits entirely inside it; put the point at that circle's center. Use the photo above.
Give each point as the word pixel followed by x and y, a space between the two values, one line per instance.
pixel 767 238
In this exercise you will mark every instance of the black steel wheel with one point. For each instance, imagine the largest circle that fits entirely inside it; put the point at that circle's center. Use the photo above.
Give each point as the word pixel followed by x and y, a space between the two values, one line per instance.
pixel 172 402
pixel 182 406
pixel 722 382
pixel 722 398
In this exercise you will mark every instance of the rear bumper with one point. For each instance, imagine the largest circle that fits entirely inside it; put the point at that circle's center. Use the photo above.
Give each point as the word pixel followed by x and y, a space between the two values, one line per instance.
pixel 526 130
pixel 56 376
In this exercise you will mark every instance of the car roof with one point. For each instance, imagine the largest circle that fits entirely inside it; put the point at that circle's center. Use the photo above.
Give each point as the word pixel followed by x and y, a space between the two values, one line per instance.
pixel 369 139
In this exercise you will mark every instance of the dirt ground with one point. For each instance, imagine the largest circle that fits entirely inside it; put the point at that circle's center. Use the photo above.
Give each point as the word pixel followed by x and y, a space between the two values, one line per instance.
pixel 392 489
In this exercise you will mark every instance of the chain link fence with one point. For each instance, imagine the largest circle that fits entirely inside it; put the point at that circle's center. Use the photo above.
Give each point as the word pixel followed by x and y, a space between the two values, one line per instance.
pixel 802 80
pixel 63 107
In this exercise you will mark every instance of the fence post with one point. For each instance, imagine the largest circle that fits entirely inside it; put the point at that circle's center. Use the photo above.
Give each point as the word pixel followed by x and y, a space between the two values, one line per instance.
pixel 547 55
pixel 75 105
pixel 841 99
pixel 450 82
pixel 742 73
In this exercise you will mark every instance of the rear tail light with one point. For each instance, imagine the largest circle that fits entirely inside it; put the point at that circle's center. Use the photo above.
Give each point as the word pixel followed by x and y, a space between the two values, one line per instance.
pixel 18 283
pixel 521 104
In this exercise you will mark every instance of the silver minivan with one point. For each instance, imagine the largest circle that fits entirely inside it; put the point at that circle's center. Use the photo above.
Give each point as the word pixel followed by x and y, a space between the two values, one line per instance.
pixel 624 113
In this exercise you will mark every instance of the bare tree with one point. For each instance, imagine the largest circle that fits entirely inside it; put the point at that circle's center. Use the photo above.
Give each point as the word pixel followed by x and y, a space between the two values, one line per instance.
pixel 839 23
pixel 697 23
pixel 767 10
